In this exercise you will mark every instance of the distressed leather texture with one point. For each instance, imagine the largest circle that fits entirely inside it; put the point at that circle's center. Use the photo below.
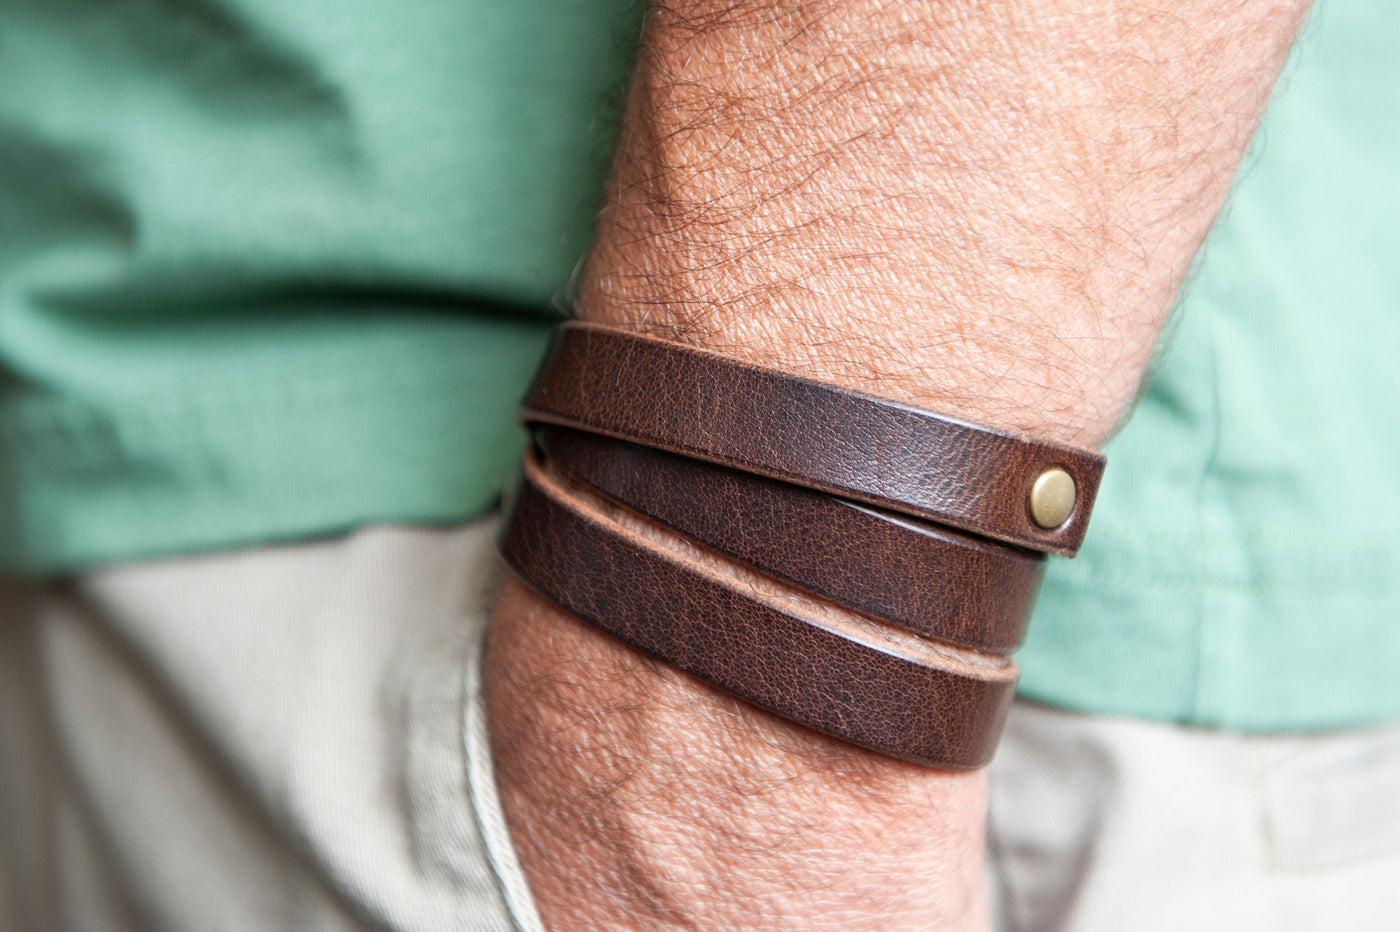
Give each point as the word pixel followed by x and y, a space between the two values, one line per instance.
pixel 888 695
pixel 703 405
pixel 933 581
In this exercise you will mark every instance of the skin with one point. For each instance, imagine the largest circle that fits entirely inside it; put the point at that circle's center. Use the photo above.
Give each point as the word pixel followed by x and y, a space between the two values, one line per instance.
pixel 982 208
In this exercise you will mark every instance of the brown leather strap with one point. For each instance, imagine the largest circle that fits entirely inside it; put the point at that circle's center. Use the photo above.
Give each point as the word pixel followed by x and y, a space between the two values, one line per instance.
pixel 712 407
pixel 876 687
pixel 933 581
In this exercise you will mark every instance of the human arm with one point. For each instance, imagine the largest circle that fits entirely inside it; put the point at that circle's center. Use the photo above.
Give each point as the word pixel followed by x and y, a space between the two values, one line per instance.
pixel 985 209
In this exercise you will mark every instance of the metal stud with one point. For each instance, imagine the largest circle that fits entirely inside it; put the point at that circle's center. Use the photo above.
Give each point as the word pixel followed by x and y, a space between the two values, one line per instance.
pixel 1052 498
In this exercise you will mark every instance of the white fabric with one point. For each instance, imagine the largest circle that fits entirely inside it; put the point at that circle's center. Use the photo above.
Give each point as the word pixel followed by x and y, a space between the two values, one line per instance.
pixel 272 739
pixel 1101 824
pixel 291 738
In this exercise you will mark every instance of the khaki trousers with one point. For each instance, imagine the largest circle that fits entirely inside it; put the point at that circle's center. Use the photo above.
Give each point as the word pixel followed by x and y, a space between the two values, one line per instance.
pixel 292 738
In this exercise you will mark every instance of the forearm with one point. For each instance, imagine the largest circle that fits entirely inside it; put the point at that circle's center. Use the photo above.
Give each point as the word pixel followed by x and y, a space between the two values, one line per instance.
pixel 984 209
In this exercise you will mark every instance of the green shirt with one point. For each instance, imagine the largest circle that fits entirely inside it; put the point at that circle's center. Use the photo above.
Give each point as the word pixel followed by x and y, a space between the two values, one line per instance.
pixel 1243 565
pixel 277 269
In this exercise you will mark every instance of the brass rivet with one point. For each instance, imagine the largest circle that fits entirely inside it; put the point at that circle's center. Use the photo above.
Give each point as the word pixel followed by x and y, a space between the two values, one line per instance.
pixel 1052 498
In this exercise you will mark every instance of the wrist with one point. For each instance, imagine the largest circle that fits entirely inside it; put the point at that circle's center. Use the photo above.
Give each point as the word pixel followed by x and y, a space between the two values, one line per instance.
pixel 681 806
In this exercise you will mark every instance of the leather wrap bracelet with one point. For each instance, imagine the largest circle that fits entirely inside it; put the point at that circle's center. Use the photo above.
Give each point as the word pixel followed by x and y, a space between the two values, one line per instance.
pixel 856 565
pixel 896 695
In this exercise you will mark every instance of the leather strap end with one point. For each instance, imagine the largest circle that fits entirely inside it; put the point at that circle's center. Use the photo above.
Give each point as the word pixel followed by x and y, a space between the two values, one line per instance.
pixel 706 406
pixel 930 580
